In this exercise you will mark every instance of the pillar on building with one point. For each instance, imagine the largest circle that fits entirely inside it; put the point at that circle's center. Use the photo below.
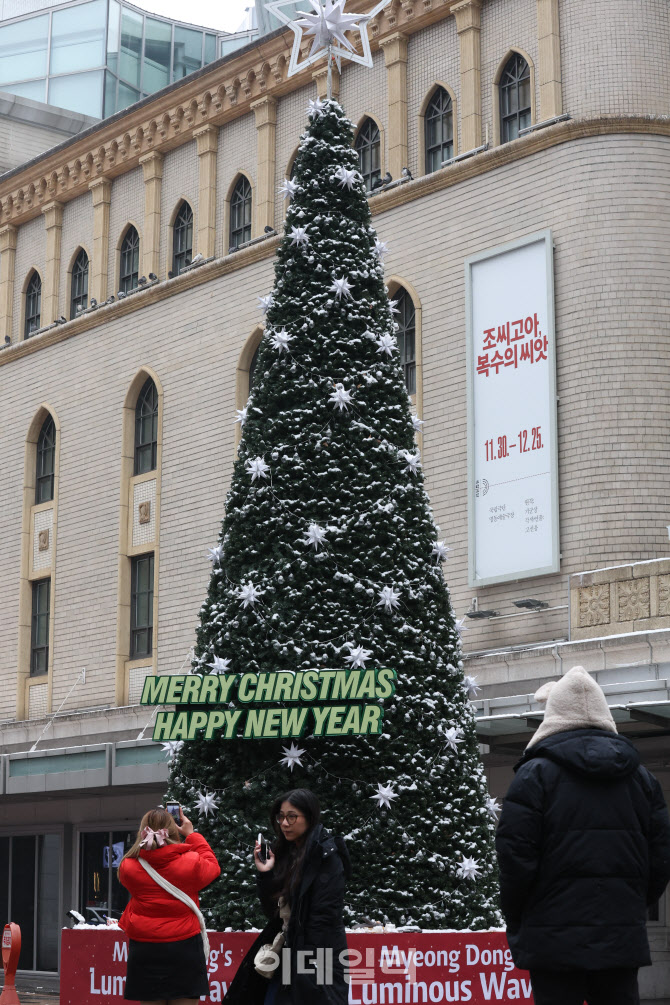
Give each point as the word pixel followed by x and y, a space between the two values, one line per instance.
pixel 152 166
pixel 265 110
pixel 53 218
pixel 7 264
pixel 101 193
pixel 551 95
pixel 468 26
pixel 207 138
pixel 395 54
pixel 320 78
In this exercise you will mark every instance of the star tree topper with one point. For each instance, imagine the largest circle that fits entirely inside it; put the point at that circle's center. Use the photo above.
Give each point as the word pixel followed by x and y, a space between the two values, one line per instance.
pixel 327 25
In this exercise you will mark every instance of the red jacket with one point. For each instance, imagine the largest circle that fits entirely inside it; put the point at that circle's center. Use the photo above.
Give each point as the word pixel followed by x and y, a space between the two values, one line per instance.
pixel 153 914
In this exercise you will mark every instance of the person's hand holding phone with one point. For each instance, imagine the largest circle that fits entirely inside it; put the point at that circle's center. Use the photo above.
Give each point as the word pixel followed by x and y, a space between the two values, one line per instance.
pixel 186 827
pixel 263 856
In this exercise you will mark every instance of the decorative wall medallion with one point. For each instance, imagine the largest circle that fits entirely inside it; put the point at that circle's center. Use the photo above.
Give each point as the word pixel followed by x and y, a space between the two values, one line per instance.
pixel 594 605
pixel 633 597
pixel 43 540
pixel 145 511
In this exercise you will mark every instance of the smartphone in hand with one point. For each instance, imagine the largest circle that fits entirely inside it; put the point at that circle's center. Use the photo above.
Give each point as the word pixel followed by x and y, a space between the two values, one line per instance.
pixel 263 853
pixel 174 809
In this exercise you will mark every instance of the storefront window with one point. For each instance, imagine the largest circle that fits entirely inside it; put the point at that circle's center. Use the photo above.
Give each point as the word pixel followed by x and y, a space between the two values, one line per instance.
pixel 30 867
pixel 100 893
pixel 23 49
pixel 48 873
pixel 78 37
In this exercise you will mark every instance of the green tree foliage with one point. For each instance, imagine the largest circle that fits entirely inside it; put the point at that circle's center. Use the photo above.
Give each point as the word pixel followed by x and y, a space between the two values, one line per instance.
pixel 330 419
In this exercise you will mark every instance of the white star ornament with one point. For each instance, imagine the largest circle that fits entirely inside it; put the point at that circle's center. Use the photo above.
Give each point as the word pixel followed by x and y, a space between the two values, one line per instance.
pixel 327 25
pixel 384 795
pixel 292 756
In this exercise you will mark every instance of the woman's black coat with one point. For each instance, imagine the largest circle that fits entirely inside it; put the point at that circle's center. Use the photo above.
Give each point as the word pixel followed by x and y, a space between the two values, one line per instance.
pixel 583 848
pixel 316 922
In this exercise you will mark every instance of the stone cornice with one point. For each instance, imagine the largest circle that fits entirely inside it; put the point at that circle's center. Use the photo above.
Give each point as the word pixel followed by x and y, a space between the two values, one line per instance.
pixel 481 164
pixel 217 95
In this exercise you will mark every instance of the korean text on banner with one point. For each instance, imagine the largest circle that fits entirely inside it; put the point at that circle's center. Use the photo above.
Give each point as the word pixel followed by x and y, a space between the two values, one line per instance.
pixel 512 447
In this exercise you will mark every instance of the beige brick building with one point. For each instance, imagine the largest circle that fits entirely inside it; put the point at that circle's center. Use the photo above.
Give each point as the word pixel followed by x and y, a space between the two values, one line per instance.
pixel 590 164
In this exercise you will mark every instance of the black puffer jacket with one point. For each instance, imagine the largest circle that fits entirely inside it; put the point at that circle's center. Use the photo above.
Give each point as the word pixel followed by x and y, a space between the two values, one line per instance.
pixel 583 847
pixel 316 923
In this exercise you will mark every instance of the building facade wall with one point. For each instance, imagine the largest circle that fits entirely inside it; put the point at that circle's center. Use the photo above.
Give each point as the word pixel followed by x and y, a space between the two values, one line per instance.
pixel 610 338
pixel 506 24
pixel 615 57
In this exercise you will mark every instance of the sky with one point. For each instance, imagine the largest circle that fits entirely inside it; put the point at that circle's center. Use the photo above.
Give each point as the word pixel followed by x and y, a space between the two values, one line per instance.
pixel 224 15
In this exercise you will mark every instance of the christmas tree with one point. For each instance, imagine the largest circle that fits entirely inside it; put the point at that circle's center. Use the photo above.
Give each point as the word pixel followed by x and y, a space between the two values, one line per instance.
pixel 329 558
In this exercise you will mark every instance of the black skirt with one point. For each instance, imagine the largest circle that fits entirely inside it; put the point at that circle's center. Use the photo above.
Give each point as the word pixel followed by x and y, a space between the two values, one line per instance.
pixel 166 970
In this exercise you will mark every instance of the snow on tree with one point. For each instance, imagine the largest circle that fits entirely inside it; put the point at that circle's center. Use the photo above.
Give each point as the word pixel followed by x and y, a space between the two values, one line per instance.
pixel 328 558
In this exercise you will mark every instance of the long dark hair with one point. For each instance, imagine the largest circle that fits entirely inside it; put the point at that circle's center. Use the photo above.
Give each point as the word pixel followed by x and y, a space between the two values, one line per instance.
pixel 289 857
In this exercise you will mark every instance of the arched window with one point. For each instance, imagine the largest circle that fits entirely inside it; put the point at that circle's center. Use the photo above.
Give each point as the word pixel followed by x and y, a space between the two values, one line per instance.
pixel 240 213
pixel 515 108
pixel 79 286
pixel 33 305
pixel 406 321
pixel 46 462
pixel 182 238
pixel 439 130
pixel 146 429
pixel 130 261
pixel 368 146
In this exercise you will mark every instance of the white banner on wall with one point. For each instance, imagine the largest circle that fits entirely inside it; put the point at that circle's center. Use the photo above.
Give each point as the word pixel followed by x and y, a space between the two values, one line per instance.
pixel 512 444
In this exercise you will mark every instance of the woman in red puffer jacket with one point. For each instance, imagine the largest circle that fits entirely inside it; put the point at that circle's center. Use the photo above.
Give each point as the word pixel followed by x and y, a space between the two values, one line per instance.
pixel 166 961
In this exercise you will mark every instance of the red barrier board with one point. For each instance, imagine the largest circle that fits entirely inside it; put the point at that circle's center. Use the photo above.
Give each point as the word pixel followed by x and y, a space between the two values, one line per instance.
pixel 384 969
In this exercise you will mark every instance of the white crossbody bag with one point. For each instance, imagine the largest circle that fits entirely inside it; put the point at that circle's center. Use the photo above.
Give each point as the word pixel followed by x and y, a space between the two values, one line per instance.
pixel 180 895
